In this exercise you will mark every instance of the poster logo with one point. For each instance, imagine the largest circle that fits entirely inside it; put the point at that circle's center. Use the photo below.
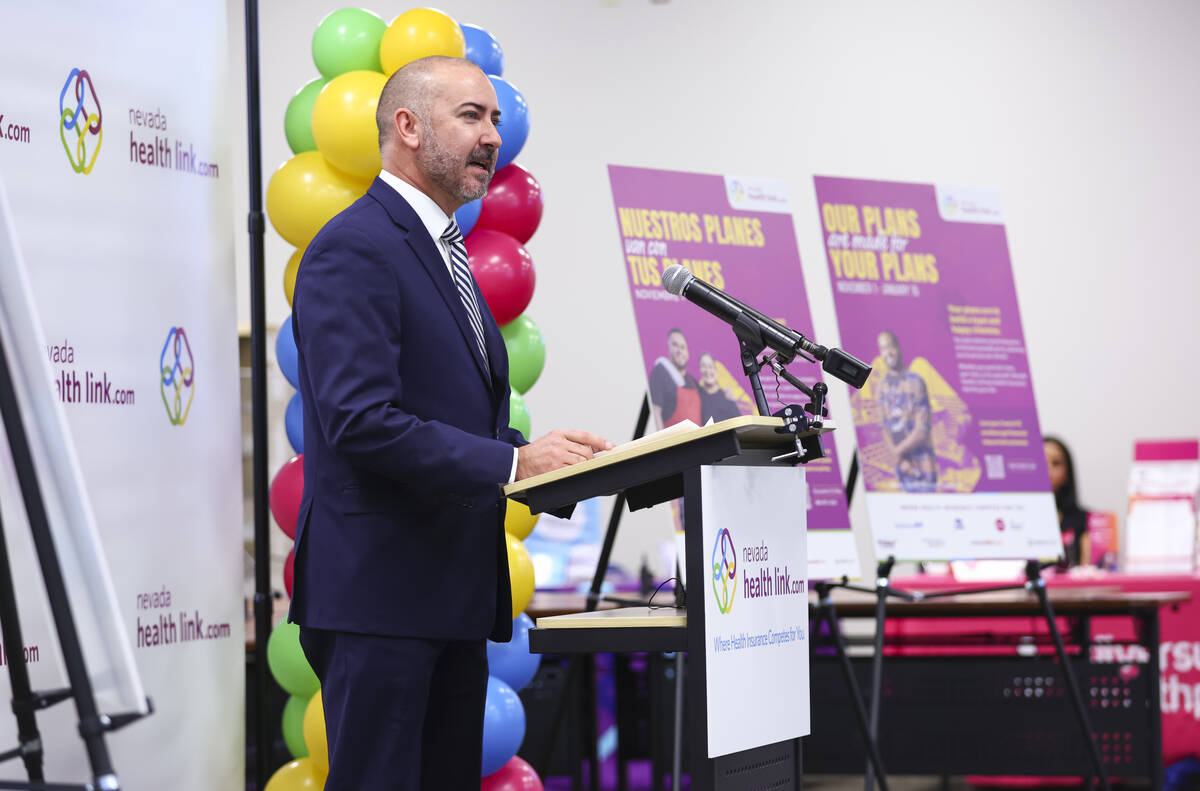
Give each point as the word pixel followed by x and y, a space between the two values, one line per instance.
pixel 969 204
pixel 758 195
pixel 724 566
pixel 178 374
pixel 80 120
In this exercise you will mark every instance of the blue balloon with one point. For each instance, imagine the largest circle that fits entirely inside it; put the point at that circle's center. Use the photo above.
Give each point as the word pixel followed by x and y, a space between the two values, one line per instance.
pixel 512 662
pixel 286 354
pixel 468 214
pixel 483 49
pixel 293 423
pixel 514 120
pixel 503 725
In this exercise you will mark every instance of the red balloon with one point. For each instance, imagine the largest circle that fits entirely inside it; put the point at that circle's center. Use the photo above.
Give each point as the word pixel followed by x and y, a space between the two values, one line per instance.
pixel 516 775
pixel 289 570
pixel 513 204
pixel 504 271
pixel 286 489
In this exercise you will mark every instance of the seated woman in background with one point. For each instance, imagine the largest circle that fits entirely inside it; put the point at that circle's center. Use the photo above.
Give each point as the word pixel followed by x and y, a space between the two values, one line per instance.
pixel 1072 520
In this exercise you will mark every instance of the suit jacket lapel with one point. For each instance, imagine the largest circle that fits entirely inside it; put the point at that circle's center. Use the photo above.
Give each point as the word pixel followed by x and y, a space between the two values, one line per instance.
pixel 427 253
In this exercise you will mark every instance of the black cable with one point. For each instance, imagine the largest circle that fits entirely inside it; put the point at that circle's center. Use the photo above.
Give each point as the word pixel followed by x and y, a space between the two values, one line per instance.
pixel 673 605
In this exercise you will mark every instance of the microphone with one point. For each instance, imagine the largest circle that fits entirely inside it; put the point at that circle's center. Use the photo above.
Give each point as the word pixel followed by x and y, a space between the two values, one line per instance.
pixel 785 341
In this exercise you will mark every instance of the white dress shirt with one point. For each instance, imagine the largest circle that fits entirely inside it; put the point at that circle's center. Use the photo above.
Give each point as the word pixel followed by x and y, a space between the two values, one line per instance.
pixel 435 222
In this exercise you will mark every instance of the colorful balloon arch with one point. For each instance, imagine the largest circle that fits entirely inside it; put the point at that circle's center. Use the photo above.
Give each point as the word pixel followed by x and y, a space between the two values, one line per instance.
pixel 330 127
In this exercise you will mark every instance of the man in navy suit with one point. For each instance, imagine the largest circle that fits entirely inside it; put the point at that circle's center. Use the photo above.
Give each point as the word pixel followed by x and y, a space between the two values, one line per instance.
pixel 401 569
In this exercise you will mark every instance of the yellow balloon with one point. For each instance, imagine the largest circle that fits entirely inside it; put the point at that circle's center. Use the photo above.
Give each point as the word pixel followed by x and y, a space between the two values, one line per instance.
pixel 417 34
pixel 520 572
pixel 298 775
pixel 343 122
pixel 305 193
pixel 314 734
pixel 518 521
pixel 289 273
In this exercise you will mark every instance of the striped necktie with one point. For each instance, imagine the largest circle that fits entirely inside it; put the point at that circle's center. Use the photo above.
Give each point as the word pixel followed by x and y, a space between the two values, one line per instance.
pixel 452 236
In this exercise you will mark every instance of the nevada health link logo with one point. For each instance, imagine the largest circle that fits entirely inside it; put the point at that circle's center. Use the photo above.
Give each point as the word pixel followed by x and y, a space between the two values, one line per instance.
pixel 724 571
pixel 79 121
pixel 178 369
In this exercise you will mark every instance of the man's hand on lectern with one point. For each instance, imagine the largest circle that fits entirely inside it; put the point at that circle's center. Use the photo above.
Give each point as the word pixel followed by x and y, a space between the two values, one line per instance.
pixel 558 449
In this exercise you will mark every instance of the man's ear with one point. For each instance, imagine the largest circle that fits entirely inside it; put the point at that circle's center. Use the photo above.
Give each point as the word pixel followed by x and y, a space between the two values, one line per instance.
pixel 408 128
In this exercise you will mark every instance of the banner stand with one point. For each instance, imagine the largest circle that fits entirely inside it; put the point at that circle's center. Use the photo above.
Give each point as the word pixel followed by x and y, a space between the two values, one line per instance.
pixel 256 225
pixel 92 724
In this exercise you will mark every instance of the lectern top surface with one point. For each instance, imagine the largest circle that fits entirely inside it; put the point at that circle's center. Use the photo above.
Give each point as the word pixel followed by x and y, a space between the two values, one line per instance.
pixel 753 432
pixel 623 617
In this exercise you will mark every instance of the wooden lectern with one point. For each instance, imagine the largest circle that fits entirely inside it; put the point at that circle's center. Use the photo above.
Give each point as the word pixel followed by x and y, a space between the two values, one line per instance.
pixel 654 470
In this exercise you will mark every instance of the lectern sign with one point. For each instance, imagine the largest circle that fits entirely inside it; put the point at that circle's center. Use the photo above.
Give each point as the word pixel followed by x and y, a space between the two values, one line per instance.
pixel 756 610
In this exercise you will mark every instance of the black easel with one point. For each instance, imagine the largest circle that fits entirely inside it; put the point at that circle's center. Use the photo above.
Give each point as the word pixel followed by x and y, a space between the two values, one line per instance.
pixel 1037 584
pixel 868 722
pixel 26 702
pixel 1033 582
pixel 825 611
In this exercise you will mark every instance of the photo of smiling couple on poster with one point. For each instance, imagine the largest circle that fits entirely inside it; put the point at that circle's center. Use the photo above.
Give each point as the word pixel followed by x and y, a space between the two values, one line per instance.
pixel 676 395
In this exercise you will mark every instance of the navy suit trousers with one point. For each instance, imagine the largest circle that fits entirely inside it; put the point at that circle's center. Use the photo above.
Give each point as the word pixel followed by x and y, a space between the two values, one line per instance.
pixel 401 713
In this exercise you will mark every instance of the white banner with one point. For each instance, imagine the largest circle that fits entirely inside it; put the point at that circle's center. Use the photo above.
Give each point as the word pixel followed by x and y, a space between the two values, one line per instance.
pixel 756 606
pixel 115 149
pixel 995 525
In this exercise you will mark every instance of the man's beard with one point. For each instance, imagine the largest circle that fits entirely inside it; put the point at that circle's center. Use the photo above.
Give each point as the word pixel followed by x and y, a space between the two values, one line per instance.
pixel 446 170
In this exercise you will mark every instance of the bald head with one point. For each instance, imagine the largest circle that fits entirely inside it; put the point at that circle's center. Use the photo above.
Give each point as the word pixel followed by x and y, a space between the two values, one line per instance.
pixel 437 120
pixel 415 86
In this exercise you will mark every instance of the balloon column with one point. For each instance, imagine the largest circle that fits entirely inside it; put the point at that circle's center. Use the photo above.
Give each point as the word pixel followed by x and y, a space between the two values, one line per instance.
pixel 330 127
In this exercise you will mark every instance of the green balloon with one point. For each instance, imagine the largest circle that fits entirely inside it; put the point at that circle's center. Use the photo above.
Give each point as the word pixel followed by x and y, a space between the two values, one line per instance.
pixel 288 665
pixel 526 352
pixel 297 120
pixel 348 40
pixel 518 415
pixel 293 726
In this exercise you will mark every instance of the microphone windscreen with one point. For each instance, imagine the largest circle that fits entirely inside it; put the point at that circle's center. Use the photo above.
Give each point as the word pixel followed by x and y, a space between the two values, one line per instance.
pixel 676 277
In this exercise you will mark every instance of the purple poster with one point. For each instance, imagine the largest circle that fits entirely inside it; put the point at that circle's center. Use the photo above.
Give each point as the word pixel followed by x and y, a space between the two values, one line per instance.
pixel 737 235
pixel 948 436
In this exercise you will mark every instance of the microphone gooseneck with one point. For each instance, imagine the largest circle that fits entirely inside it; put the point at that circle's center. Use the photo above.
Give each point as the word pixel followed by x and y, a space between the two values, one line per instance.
pixel 786 342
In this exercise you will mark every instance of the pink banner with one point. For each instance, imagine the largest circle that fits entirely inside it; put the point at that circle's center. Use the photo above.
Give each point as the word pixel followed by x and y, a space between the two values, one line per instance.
pixel 923 290
pixel 736 235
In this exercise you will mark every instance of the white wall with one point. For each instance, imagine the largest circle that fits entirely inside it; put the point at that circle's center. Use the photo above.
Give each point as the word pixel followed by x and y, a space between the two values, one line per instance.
pixel 1084 115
